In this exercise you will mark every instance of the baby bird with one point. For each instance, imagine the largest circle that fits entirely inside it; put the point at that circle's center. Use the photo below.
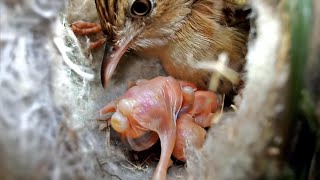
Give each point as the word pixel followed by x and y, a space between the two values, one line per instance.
pixel 178 32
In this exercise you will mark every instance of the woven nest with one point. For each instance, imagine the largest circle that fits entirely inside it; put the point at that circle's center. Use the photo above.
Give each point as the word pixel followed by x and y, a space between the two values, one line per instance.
pixel 50 93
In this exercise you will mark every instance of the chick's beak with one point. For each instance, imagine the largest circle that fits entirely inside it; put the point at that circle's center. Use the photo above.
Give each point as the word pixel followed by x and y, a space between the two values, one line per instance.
pixel 114 53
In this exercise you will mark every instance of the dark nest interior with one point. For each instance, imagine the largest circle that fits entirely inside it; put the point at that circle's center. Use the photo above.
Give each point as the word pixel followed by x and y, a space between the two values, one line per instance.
pixel 51 94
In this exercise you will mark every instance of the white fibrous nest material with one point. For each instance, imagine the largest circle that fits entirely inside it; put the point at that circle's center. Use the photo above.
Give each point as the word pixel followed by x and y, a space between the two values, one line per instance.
pixel 236 146
pixel 50 93
pixel 38 135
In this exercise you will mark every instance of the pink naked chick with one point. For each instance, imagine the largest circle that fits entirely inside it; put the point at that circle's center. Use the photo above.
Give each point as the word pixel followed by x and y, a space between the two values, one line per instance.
pixel 166 108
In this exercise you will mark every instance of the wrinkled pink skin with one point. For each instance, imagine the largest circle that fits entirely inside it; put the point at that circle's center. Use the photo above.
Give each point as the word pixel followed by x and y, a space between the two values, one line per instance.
pixel 164 108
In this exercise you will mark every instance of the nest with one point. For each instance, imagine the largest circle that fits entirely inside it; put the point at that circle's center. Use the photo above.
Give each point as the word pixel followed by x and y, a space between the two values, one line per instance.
pixel 50 93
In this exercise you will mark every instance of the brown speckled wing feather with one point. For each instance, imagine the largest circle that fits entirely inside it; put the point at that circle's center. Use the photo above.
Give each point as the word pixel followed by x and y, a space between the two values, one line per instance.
pixel 106 11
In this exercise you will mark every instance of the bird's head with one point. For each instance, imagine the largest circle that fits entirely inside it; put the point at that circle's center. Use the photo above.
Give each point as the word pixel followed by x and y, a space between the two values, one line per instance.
pixel 137 24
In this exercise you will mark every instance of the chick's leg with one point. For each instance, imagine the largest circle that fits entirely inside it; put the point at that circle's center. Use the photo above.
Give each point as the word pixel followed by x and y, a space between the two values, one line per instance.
pixel 104 121
pixel 167 137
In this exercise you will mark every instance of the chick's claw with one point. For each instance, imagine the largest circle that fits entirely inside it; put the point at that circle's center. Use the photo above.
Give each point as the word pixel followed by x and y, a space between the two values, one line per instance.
pixel 166 109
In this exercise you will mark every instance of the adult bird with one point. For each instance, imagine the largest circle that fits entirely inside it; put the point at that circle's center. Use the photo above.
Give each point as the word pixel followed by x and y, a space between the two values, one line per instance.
pixel 178 32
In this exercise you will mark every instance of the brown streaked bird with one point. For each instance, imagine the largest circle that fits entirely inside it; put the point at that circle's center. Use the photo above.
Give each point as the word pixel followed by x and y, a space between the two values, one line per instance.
pixel 174 30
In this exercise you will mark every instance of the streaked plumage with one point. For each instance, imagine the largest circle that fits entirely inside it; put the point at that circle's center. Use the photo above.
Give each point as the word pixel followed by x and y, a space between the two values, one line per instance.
pixel 175 31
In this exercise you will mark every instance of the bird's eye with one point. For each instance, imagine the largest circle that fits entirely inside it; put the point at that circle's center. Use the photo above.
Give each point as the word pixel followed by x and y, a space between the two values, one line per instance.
pixel 141 8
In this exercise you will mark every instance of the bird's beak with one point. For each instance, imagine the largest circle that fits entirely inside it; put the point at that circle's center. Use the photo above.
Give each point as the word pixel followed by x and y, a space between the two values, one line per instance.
pixel 111 58
pixel 113 55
